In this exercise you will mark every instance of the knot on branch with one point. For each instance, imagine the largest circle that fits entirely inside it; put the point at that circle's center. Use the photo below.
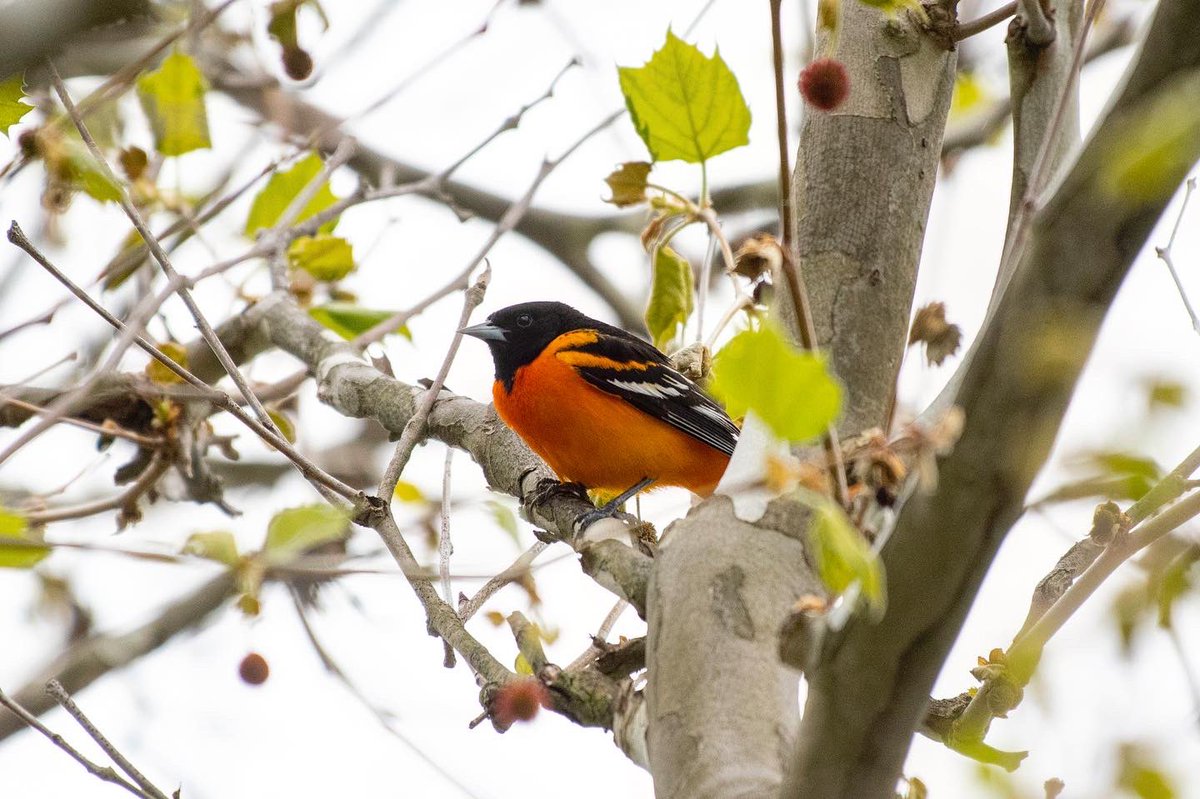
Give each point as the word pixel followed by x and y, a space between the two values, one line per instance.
pixel 802 630
pixel 1107 522
pixel 941 24
pixel 369 511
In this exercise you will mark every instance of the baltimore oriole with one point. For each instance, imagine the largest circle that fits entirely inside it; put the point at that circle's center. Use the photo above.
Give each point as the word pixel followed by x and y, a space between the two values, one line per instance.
pixel 602 407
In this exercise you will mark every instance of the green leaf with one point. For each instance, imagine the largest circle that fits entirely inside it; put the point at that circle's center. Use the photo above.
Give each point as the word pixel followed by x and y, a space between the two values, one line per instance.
pixel 349 320
pixel 672 293
pixel 15 528
pixel 791 391
pixel 505 519
pixel 87 175
pixel 325 257
pixel 173 98
pixel 295 530
pixel 217 545
pixel 1126 463
pixel 628 184
pixel 284 424
pixel 1114 475
pixel 283 187
pixel 841 553
pixel 685 105
pixel 12 91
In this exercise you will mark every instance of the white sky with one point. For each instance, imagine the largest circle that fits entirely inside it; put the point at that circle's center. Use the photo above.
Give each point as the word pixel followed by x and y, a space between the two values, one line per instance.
pixel 182 714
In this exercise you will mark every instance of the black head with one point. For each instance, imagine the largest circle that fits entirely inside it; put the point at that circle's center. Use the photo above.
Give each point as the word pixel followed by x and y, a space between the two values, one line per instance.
pixel 518 334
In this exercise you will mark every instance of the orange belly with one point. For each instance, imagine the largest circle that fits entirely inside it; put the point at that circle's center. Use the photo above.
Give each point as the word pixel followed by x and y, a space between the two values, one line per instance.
pixel 591 437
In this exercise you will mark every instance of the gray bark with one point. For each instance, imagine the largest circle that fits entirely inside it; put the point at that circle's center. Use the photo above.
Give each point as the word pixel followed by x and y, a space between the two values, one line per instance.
pixel 722 707
pixel 871 687
pixel 863 183
pixel 34 30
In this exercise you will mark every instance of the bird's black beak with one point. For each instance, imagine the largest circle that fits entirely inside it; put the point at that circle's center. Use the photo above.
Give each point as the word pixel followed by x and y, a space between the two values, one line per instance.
pixel 486 332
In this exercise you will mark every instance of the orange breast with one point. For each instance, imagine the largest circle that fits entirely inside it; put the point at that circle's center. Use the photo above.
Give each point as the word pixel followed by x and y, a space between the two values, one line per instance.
pixel 592 437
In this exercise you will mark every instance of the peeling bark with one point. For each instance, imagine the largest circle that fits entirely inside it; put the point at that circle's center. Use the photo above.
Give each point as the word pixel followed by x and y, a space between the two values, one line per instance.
pixel 722 706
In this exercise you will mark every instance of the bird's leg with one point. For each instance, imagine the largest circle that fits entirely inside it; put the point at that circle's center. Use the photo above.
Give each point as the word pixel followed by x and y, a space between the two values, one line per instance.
pixel 613 506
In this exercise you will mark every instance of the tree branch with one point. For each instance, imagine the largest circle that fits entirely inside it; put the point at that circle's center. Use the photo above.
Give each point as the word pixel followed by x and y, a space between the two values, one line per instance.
pixel 59 694
pixel 93 657
pixel 105 773
pixel 565 236
pixel 36 30
pixel 871 686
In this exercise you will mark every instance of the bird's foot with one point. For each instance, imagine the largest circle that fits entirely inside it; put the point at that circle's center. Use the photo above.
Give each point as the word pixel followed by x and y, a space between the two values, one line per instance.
pixel 608 511
pixel 548 489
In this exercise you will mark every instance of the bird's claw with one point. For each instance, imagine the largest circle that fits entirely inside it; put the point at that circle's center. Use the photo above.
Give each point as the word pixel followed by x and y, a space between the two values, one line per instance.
pixel 548 489
pixel 606 512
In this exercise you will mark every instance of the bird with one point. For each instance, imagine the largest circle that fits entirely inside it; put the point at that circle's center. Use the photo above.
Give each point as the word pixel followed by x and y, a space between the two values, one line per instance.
pixel 602 407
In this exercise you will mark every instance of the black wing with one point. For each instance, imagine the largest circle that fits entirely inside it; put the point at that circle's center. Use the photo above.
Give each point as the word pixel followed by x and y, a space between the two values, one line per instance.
pixel 638 373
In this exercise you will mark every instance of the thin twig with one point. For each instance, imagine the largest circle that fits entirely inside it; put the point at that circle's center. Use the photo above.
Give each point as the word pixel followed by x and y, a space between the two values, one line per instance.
pixel 589 655
pixel 160 255
pixel 738 305
pixel 182 228
pixel 123 78
pixel 519 568
pixel 44 318
pixel 445 546
pixel 60 695
pixel 710 253
pixel 1165 254
pixel 411 78
pixel 516 211
pixel 106 773
pixel 1025 652
pixel 384 717
pixel 276 239
pixel 414 429
pixel 442 618
pixel 222 400
pixel 112 430
pixel 965 30
pixel 508 124
pixel 129 333
pixel 145 481
pixel 1027 648
pixel 781 131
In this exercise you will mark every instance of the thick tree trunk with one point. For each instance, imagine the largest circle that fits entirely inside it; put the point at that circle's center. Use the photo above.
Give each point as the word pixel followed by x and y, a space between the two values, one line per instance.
pixel 872 685
pixel 722 706
pixel 863 183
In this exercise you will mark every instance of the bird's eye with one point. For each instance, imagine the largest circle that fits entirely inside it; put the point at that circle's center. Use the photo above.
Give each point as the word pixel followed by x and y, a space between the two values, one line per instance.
pixel 524 320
